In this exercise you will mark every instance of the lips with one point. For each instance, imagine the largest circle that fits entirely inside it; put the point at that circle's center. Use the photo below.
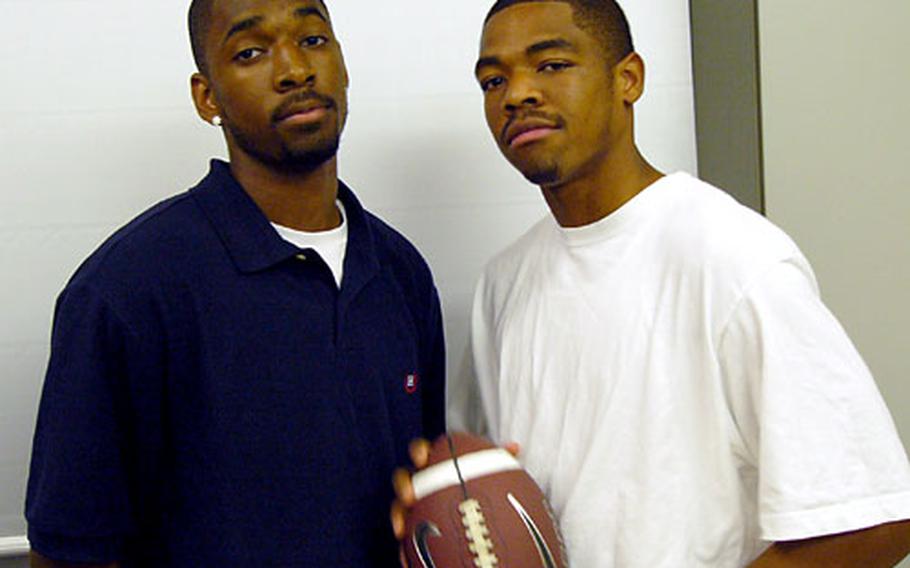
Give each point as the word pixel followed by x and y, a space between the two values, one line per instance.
pixel 302 113
pixel 527 130
pixel 302 108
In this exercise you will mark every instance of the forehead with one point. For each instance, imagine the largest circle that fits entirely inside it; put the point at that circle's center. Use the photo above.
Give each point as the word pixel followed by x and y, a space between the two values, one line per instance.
pixel 226 13
pixel 522 25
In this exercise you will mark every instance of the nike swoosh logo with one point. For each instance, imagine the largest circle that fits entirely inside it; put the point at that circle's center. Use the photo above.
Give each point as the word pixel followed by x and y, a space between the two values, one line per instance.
pixel 425 530
pixel 546 557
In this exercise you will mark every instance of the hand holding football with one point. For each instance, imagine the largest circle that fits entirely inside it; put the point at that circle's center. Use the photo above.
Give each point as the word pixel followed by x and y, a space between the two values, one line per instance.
pixel 476 507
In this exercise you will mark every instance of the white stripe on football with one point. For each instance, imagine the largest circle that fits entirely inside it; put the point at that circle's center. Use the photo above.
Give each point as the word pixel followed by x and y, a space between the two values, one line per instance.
pixel 476 464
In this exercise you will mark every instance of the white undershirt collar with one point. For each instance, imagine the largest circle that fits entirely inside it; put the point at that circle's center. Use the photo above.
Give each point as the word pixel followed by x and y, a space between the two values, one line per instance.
pixel 329 245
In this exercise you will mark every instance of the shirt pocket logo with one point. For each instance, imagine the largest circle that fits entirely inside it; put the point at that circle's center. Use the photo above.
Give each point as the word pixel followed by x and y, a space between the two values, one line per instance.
pixel 411 382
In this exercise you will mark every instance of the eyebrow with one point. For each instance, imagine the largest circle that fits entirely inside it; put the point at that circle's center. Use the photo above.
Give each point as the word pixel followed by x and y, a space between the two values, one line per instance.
pixel 242 26
pixel 556 43
pixel 486 62
pixel 254 21
pixel 310 11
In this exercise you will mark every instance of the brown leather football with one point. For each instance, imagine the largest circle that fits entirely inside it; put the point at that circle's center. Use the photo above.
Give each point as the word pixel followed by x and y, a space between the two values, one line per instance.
pixel 477 508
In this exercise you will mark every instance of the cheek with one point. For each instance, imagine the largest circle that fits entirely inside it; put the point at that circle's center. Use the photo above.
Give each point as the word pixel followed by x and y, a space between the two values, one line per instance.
pixel 239 100
pixel 342 111
pixel 246 110
pixel 493 116
pixel 593 116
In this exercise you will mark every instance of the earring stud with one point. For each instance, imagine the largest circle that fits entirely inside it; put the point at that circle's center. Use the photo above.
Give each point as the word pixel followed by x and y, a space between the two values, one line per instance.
pixel 216 120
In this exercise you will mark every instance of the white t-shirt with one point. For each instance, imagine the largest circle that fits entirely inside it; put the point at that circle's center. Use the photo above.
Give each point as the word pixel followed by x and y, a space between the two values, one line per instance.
pixel 677 387
pixel 329 245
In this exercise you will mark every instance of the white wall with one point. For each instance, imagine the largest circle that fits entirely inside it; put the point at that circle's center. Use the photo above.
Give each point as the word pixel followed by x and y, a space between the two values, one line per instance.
pixel 96 124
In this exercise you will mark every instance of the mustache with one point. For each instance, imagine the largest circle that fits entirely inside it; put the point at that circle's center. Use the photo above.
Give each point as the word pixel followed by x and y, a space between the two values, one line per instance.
pixel 287 105
pixel 554 118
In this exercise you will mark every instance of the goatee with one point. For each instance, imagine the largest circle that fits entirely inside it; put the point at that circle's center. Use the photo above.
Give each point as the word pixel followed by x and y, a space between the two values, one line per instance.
pixel 543 176
pixel 287 158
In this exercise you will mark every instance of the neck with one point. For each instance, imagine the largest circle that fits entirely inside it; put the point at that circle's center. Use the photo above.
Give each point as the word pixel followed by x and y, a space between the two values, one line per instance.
pixel 301 200
pixel 613 180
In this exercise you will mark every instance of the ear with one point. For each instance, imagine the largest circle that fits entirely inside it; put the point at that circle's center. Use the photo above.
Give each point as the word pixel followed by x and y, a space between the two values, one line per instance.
pixel 204 97
pixel 629 75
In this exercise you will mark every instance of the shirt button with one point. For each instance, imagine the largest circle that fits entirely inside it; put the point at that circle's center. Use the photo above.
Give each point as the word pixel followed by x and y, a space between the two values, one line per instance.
pixel 301 257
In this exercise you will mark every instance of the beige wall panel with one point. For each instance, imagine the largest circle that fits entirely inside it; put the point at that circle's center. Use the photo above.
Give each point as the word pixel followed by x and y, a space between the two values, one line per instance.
pixel 835 92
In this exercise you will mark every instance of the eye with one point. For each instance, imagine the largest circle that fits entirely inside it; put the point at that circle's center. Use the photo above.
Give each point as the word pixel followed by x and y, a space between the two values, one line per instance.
pixel 491 83
pixel 553 66
pixel 314 41
pixel 248 54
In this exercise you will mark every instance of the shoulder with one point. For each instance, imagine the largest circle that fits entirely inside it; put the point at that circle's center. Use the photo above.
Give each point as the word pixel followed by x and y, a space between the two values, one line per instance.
pixel 722 250
pixel 391 243
pixel 517 269
pixel 394 247
pixel 154 243
pixel 706 229
pixel 699 212
pixel 523 254
pixel 399 255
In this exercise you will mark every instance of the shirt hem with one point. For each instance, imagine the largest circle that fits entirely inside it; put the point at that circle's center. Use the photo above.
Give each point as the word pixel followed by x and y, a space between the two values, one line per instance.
pixel 835 519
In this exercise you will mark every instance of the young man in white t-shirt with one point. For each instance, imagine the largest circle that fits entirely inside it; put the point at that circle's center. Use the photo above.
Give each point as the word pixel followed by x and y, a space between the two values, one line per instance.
pixel 659 352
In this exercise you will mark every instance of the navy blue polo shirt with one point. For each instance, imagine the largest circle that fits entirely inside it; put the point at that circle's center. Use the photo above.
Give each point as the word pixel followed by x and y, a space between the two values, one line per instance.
pixel 214 400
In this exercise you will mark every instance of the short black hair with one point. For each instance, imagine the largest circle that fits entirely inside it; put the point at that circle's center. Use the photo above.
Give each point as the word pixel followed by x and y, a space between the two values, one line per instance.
pixel 199 18
pixel 603 19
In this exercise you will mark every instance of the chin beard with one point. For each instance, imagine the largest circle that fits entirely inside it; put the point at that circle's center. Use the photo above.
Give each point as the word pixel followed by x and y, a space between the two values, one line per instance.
pixel 539 174
pixel 543 176
pixel 287 158
pixel 307 159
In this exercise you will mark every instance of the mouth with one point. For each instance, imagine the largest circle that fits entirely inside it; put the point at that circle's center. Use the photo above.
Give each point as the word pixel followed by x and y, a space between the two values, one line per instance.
pixel 519 133
pixel 304 116
pixel 529 136
pixel 302 110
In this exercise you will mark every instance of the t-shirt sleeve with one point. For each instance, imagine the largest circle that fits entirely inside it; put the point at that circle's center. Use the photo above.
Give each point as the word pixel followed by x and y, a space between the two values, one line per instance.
pixel 77 503
pixel 827 454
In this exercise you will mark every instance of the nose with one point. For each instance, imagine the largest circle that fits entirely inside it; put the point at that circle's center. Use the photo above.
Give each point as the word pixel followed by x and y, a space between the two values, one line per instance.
pixel 292 68
pixel 521 91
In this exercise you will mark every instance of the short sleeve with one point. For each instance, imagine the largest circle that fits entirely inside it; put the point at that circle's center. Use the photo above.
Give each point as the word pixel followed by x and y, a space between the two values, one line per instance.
pixel 828 457
pixel 77 502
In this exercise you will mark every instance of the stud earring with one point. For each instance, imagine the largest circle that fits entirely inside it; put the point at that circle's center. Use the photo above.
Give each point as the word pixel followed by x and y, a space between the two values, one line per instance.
pixel 216 120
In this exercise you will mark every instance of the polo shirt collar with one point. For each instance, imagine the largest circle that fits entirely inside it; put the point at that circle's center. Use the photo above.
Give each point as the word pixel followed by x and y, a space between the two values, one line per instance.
pixel 253 243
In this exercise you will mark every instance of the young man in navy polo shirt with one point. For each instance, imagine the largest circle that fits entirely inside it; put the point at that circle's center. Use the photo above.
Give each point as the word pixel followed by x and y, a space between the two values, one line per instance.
pixel 236 373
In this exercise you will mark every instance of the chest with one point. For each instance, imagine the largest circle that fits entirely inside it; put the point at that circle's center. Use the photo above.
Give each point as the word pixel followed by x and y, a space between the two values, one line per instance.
pixel 617 361
pixel 568 330
pixel 281 370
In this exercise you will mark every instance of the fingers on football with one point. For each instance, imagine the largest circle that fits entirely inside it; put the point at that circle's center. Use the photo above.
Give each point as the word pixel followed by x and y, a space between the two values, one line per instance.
pixel 404 490
pixel 398 520
pixel 420 452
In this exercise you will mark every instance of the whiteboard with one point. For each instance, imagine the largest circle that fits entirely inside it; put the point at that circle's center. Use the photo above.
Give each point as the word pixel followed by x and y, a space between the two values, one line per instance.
pixel 96 124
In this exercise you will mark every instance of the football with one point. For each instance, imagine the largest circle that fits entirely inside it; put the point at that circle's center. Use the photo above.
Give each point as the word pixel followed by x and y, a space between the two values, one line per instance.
pixel 477 508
